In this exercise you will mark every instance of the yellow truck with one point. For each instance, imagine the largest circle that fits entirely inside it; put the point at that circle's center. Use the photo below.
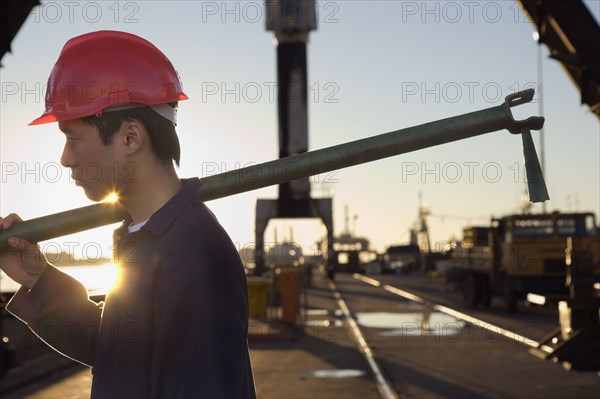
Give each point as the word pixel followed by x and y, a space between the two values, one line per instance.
pixel 520 257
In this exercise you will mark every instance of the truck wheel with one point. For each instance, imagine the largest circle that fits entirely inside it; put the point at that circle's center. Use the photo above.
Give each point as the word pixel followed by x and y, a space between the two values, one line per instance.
pixel 472 290
pixel 486 291
pixel 510 297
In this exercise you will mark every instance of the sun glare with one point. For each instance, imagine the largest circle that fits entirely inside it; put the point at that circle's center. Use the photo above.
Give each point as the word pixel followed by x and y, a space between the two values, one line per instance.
pixel 105 279
pixel 99 280
pixel 113 197
pixel 110 277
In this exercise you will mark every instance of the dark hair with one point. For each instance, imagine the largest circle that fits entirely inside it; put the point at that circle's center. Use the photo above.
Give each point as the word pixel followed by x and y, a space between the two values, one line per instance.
pixel 163 137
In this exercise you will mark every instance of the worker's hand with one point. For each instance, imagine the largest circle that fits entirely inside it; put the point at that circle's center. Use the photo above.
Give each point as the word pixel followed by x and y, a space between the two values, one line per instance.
pixel 21 260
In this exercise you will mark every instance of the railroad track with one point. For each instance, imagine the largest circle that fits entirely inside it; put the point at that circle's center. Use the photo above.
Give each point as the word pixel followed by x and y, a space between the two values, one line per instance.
pixel 388 351
pixel 453 312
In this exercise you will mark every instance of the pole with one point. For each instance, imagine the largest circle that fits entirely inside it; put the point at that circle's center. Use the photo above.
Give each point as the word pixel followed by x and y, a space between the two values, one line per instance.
pixel 541 111
pixel 300 165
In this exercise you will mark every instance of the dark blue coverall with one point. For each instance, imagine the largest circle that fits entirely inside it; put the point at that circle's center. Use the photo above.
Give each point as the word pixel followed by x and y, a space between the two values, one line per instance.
pixel 176 324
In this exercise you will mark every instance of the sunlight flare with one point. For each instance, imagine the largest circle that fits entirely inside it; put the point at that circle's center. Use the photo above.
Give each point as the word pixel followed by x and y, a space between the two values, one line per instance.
pixel 112 197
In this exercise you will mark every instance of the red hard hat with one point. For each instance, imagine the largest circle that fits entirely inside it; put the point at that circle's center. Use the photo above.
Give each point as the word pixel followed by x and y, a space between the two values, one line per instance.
pixel 103 69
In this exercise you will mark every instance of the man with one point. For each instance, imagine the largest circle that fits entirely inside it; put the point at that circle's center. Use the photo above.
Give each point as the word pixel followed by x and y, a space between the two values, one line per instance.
pixel 175 325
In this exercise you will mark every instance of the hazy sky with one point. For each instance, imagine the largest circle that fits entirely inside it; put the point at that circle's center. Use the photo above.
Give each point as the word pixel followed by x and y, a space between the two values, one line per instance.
pixel 374 66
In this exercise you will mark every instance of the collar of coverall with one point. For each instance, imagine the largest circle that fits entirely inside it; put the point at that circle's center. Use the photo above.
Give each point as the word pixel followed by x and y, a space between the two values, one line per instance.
pixel 164 110
pixel 160 221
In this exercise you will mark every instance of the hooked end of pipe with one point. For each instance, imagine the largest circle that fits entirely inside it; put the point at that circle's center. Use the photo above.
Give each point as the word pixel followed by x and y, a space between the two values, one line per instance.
pixel 531 123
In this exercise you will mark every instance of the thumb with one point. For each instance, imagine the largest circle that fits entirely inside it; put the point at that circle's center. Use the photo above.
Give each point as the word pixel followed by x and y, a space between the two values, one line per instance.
pixel 18 244
pixel 30 253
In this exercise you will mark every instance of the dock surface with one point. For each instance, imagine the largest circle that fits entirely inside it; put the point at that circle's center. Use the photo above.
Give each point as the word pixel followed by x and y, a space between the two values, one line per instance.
pixel 421 353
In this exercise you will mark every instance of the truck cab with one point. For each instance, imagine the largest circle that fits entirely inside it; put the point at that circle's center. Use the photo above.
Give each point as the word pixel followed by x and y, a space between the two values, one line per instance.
pixel 520 255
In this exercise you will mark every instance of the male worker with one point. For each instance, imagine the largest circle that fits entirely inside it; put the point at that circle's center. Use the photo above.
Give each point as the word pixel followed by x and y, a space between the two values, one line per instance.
pixel 176 324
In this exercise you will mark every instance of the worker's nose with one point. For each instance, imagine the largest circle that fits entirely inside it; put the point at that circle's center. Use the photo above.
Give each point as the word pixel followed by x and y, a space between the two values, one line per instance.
pixel 66 159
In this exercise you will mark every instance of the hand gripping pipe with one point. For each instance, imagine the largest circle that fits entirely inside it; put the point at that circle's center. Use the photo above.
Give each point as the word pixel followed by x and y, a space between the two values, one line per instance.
pixel 304 165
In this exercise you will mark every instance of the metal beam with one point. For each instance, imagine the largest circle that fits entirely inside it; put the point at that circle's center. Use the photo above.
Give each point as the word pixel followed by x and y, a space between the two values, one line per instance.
pixel 301 165
pixel 573 38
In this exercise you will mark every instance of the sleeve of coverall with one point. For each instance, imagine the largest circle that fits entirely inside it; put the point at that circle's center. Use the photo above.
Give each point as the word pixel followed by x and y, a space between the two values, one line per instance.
pixel 57 309
pixel 200 338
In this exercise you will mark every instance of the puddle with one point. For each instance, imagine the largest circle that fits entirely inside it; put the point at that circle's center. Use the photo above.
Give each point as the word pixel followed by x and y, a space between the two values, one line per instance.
pixel 344 373
pixel 324 323
pixel 415 324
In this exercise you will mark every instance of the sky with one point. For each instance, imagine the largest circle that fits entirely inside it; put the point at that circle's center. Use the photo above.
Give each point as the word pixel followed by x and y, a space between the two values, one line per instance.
pixel 373 67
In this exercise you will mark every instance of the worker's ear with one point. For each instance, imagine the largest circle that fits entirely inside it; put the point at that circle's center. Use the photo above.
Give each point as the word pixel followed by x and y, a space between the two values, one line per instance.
pixel 132 136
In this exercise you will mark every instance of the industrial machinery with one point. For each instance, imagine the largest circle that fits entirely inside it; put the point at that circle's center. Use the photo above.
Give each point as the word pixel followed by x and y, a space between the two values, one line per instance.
pixel 576 342
pixel 402 258
pixel 521 257
pixel 351 253
pixel 285 254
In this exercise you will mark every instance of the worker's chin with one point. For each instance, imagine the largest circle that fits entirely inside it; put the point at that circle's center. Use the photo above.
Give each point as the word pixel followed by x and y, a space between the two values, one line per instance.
pixel 95 194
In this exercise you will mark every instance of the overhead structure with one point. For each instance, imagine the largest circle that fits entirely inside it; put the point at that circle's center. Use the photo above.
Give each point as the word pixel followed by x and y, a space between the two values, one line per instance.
pixel 572 35
pixel 13 14
pixel 291 21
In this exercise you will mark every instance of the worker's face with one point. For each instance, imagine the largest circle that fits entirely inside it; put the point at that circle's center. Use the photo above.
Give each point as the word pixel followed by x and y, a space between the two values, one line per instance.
pixel 94 166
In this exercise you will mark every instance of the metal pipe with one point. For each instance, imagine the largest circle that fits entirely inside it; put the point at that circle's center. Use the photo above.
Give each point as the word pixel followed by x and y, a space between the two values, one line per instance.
pixel 300 165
